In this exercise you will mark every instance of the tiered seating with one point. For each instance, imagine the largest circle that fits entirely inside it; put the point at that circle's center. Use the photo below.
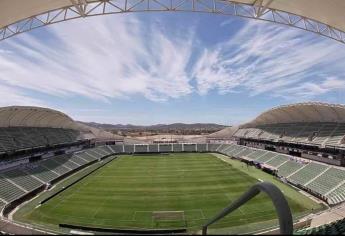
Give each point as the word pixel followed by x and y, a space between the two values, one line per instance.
pixel 313 133
pixel 335 228
pixel 104 150
pixel 41 172
pixel 22 179
pixel 245 152
pixel 75 158
pixel 65 160
pixel 306 132
pixel 292 131
pixel 239 151
pixel 54 167
pixel 336 136
pixel 15 183
pixel 288 168
pixel 232 150
pixel 277 160
pixel 2 205
pixel 327 181
pixel 337 195
pixel 225 147
pixel 266 157
pixel 212 147
pixel 95 153
pixel 86 156
pixel 18 138
pixel 9 191
pixel 256 154
pixel 308 173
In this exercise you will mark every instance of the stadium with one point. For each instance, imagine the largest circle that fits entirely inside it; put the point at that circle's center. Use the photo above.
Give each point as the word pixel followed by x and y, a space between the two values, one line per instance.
pixel 283 172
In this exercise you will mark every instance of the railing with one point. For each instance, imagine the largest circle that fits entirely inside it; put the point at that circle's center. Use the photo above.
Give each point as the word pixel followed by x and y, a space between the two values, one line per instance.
pixel 280 203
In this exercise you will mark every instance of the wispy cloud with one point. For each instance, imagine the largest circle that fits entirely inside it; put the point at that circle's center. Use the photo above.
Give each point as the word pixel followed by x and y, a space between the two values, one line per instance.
pixel 100 59
pixel 121 57
pixel 13 96
pixel 266 59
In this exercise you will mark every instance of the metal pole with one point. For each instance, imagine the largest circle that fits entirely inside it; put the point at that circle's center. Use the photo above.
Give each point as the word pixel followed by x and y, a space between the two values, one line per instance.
pixel 280 203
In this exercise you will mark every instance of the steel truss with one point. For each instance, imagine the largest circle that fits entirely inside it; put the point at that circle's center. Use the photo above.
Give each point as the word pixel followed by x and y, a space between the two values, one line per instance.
pixel 80 8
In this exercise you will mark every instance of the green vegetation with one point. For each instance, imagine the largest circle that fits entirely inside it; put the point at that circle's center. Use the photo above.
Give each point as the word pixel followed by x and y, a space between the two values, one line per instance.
pixel 126 192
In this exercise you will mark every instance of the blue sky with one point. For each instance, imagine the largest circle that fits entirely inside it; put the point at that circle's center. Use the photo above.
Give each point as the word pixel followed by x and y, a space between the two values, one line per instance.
pixel 148 68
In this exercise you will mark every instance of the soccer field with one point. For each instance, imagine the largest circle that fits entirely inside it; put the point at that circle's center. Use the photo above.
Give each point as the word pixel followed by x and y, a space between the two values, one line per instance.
pixel 158 191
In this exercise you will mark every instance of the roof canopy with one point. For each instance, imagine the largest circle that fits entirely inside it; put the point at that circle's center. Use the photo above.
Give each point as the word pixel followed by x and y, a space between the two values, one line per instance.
pixel 325 17
pixel 301 112
pixel 24 116
pixel 224 133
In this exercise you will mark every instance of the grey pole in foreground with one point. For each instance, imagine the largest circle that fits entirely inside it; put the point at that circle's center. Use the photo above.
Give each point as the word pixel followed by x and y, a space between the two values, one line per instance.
pixel 277 197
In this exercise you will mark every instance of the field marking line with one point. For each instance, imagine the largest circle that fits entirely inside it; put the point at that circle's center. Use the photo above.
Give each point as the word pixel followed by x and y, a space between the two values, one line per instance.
pixel 202 214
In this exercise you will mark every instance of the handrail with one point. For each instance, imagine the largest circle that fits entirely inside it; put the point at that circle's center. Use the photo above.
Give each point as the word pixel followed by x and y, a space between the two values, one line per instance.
pixel 280 203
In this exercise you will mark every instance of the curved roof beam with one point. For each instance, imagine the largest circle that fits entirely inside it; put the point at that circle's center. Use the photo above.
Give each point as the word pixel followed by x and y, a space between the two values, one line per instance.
pixel 308 15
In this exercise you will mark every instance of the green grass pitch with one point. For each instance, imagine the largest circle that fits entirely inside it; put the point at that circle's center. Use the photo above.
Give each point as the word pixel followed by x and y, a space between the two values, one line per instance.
pixel 126 192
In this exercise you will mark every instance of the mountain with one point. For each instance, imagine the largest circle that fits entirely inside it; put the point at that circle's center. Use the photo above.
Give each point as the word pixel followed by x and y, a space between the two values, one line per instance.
pixel 158 127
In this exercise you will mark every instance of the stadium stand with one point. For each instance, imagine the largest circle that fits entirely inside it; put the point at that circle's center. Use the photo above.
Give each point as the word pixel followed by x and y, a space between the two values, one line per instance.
pixel 18 181
pixel 309 172
pixel 327 180
pixel 337 195
pixel 324 181
pixel 9 191
pixel 13 139
pixel 335 228
pixel 278 160
pixel 22 179
pixel 213 147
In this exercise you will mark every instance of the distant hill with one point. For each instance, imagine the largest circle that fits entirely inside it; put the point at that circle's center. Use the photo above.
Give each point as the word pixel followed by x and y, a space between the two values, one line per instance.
pixel 158 127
